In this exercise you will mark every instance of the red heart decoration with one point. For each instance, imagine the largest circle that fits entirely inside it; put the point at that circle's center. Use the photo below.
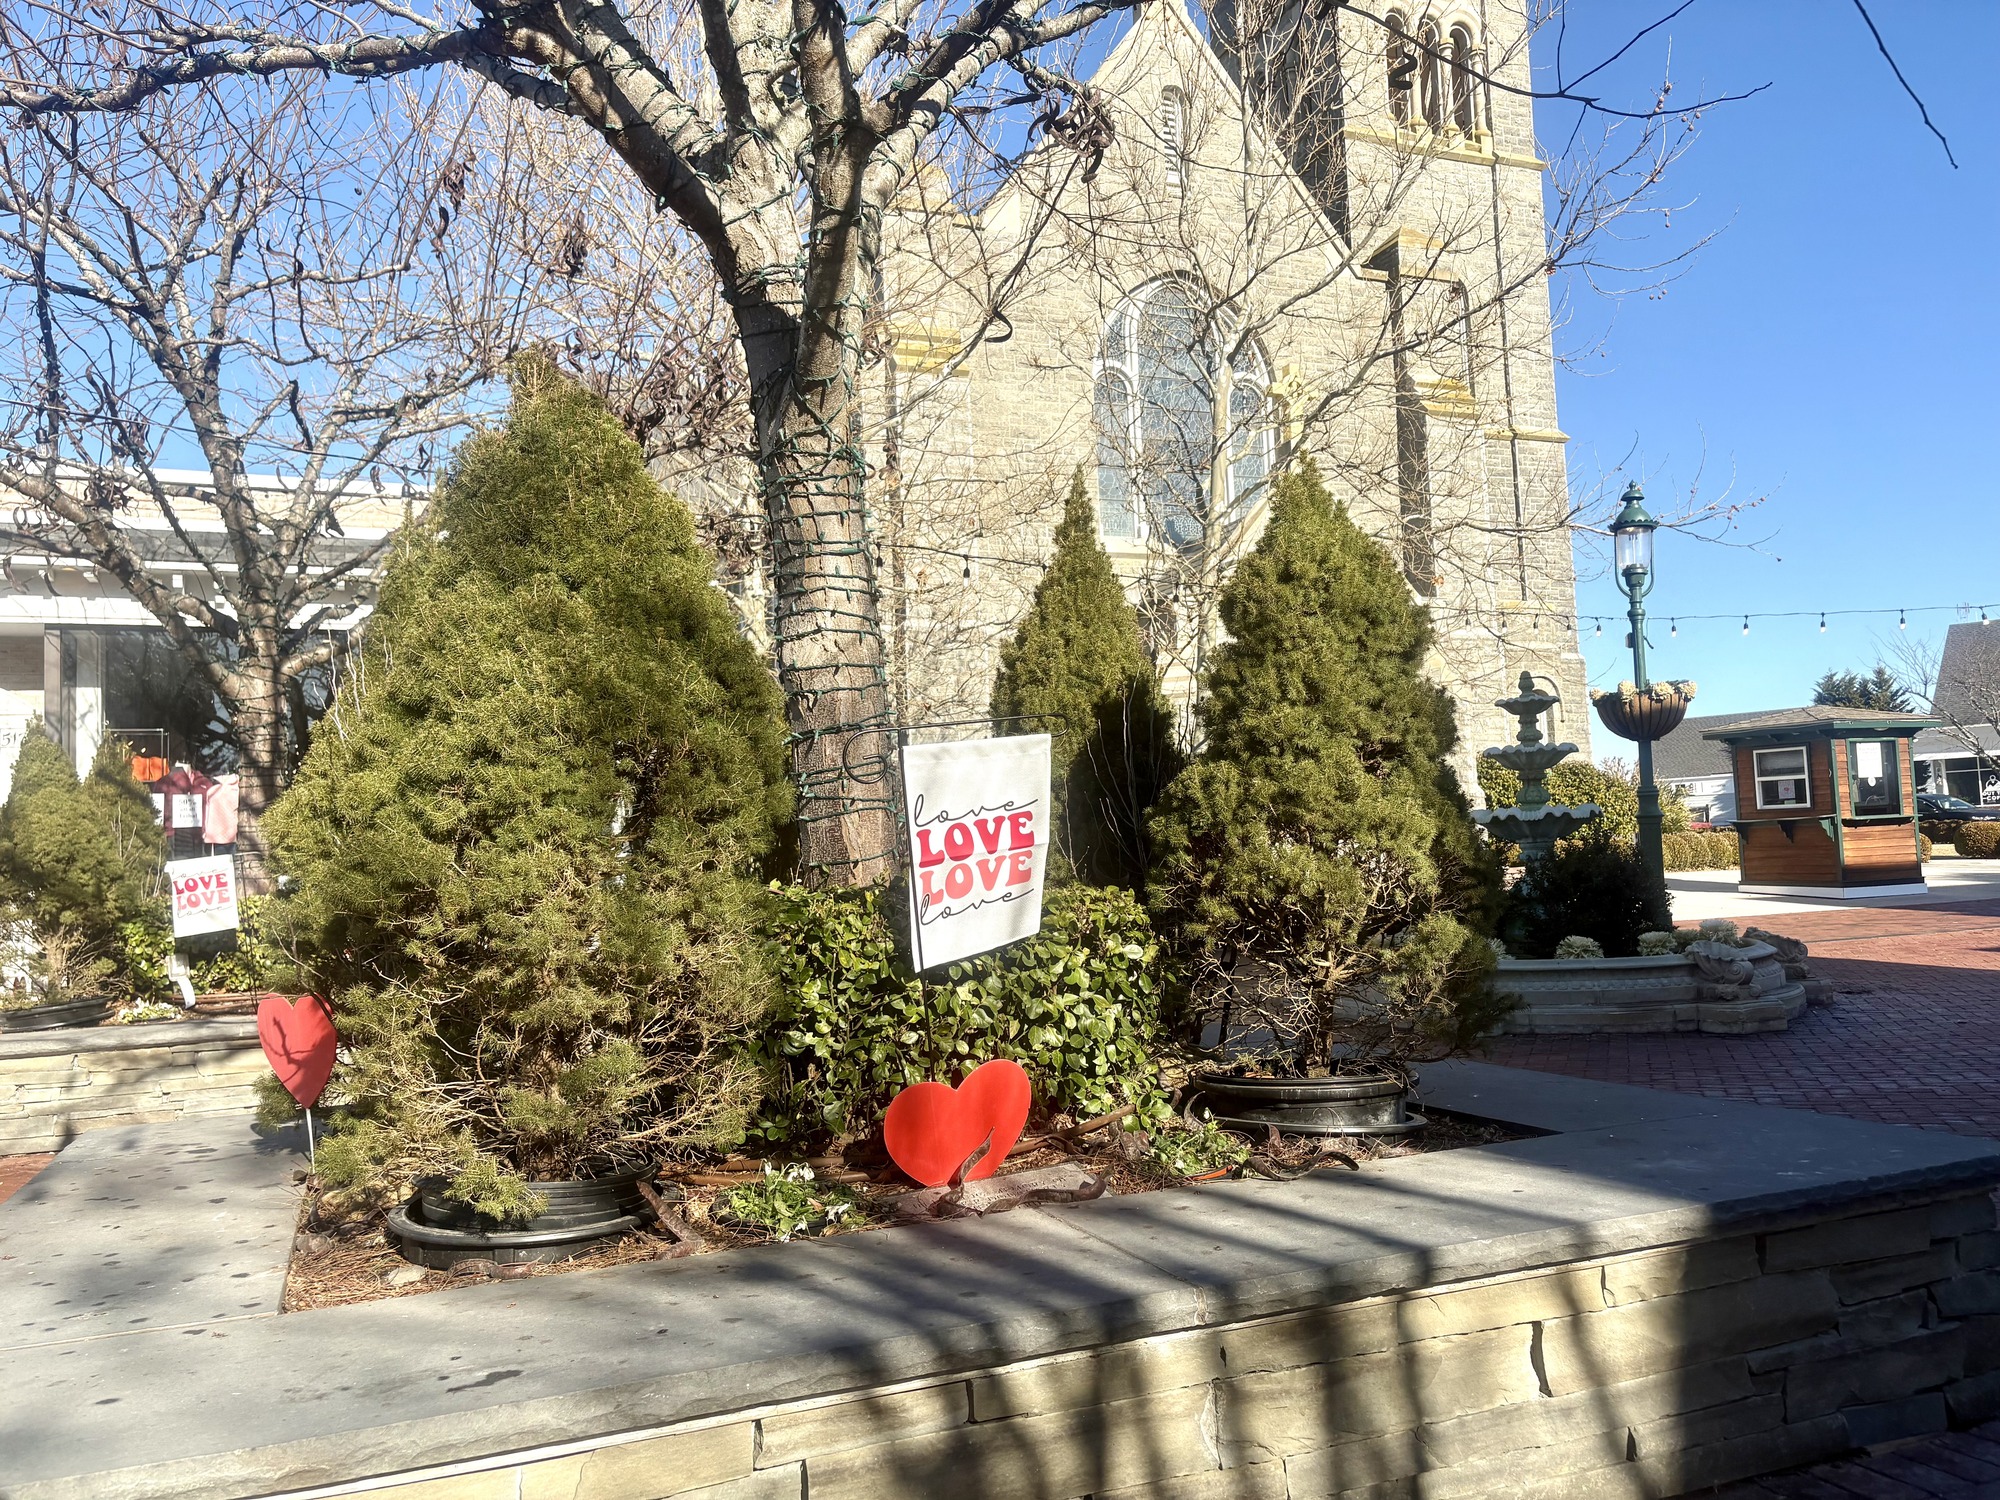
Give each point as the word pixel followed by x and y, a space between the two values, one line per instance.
pixel 299 1043
pixel 931 1128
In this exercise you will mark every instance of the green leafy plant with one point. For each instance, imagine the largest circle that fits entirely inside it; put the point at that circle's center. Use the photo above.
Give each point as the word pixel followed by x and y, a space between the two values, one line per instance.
pixel 1197 1152
pixel 1592 886
pixel 1078 669
pixel 1077 1005
pixel 526 841
pixel 1316 867
pixel 787 1202
pixel 253 960
pixel 1657 944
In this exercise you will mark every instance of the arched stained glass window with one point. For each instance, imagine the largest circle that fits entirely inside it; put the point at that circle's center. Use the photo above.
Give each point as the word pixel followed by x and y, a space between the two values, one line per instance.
pixel 1464 103
pixel 1159 391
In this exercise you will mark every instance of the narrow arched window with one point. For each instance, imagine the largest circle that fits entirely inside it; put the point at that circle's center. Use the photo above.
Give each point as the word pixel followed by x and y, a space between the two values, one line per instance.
pixel 1173 132
pixel 1430 75
pixel 1116 516
pixel 1402 61
pixel 1464 104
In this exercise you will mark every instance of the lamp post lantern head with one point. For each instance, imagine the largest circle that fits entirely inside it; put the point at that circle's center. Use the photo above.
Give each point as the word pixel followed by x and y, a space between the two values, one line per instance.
pixel 1632 540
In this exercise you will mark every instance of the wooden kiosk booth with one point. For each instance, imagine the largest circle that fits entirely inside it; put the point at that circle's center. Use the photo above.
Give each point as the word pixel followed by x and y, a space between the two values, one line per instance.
pixel 1825 802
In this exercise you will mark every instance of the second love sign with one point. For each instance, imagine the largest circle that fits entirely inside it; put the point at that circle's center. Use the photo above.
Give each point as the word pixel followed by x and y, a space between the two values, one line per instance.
pixel 978 814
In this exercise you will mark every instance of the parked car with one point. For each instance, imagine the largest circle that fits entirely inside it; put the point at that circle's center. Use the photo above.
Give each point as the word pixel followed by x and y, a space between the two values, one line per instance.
pixel 1938 807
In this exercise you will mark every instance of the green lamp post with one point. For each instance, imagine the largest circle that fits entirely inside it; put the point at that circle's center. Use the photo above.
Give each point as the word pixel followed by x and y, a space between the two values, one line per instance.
pixel 1632 542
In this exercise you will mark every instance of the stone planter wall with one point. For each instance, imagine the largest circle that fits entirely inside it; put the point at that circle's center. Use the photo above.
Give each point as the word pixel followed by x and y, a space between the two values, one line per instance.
pixel 56 1084
pixel 1652 1374
pixel 1711 990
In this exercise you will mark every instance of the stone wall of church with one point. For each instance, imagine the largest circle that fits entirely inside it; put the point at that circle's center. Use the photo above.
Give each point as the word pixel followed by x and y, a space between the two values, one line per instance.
pixel 983 446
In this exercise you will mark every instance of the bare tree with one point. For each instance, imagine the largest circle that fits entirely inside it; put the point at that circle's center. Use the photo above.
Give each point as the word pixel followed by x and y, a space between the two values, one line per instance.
pixel 232 329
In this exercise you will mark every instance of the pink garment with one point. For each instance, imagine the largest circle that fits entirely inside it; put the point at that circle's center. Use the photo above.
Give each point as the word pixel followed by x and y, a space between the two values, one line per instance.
pixel 218 810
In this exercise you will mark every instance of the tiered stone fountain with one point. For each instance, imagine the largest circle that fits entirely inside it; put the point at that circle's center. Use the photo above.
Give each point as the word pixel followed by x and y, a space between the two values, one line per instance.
pixel 1533 824
pixel 1710 986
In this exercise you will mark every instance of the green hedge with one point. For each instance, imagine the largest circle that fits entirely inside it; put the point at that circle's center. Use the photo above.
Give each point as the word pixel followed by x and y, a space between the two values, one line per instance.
pixel 1078 1006
pixel 1978 840
pixel 1700 851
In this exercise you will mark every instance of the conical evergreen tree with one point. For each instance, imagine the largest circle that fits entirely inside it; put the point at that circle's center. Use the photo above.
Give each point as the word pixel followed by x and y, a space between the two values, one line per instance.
pixel 526 839
pixel 1316 864
pixel 81 859
pixel 1078 666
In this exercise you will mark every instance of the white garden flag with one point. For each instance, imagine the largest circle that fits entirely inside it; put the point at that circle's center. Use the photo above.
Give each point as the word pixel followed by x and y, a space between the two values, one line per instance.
pixel 978 819
pixel 204 894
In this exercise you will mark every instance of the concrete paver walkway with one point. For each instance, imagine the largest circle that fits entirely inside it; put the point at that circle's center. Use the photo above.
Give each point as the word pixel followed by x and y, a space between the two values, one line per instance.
pixel 1912 1036
pixel 145 1227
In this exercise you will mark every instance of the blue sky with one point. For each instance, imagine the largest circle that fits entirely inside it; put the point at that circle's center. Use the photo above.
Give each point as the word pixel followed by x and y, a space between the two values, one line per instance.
pixel 1833 349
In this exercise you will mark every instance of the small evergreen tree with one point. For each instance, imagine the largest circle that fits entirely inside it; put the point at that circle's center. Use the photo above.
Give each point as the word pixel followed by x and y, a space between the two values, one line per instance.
pixel 526 839
pixel 82 862
pixel 1317 864
pixel 1876 691
pixel 1078 667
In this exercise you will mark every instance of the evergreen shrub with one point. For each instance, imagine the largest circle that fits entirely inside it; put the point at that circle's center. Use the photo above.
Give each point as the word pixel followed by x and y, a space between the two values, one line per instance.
pixel 1700 851
pixel 83 863
pixel 1316 866
pixel 1077 1005
pixel 1078 669
pixel 1978 840
pixel 1592 886
pixel 526 841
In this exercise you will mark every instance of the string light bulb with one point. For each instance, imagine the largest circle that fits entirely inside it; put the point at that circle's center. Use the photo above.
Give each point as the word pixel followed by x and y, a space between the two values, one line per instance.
pixel 1746 624
pixel 1673 627
pixel 1822 622
pixel 1901 622
pixel 1600 628
pixel 968 569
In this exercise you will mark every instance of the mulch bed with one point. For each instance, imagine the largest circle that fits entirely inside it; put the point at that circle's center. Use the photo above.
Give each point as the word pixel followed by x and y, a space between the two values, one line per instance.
pixel 333 1265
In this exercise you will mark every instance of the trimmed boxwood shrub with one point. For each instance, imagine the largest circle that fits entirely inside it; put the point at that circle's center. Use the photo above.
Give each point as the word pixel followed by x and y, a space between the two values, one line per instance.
pixel 1077 1005
pixel 1700 851
pixel 1978 840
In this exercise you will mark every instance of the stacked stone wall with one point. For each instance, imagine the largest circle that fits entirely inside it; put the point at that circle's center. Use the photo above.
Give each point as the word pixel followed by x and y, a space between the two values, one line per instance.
pixel 1653 1374
pixel 55 1085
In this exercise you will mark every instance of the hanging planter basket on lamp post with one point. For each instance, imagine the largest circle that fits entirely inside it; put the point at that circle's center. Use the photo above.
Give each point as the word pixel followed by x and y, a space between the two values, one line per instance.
pixel 1649 713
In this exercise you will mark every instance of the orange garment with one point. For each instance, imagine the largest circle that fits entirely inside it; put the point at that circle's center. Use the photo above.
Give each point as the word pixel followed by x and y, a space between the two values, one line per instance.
pixel 148 768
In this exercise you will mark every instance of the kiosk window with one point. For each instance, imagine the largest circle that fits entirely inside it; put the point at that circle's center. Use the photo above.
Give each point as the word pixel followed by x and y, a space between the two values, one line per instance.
pixel 1781 777
pixel 1871 766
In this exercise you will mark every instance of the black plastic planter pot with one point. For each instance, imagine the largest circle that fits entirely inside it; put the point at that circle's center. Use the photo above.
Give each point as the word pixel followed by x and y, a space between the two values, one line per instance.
pixel 51 1017
pixel 432 1230
pixel 1311 1106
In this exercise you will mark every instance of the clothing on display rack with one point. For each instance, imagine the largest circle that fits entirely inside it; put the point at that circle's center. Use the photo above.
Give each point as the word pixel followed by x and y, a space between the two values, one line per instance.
pixel 218 819
pixel 186 791
pixel 149 768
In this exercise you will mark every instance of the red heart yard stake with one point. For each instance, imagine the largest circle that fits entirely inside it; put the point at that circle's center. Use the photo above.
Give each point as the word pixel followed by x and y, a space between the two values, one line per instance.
pixel 931 1128
pixel 299 1043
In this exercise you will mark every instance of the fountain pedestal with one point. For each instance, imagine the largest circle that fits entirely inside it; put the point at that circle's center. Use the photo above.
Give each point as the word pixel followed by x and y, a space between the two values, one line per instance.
pixel 1533 824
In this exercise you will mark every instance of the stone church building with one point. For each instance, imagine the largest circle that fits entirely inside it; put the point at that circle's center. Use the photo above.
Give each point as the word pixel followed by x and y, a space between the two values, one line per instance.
pixel 1326 241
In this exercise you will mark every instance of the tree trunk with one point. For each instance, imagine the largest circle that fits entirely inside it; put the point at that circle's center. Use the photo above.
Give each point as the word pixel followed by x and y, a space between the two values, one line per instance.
pixel 827 623
pixel 257 725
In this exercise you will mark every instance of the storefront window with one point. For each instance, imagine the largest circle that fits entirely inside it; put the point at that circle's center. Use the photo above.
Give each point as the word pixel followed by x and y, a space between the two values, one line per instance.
pixel 1781 777
pixel 1871 766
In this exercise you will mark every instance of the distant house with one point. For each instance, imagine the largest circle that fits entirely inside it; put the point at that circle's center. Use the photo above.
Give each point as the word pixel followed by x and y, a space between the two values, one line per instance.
pixel 1962 756
pixel 1699 767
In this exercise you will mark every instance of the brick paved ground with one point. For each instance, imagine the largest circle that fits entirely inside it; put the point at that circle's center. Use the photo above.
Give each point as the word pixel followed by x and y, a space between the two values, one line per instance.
pixel 1911 1037
pixel 1954 1466
pixel 16 1170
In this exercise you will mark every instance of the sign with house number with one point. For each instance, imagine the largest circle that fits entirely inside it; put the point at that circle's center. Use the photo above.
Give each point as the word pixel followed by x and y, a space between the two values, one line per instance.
pixel 978 816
